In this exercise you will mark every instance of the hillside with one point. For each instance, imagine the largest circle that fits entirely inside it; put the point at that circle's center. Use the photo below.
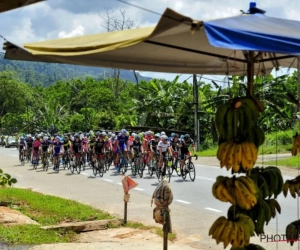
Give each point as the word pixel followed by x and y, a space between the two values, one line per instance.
pixel 48 73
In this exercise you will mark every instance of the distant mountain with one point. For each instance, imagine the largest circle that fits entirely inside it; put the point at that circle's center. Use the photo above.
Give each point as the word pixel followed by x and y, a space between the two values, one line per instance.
pixel 48 73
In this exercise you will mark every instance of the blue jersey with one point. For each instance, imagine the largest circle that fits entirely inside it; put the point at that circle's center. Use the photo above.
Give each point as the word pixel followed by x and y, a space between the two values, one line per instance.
pixel 122 140
pixel 57 147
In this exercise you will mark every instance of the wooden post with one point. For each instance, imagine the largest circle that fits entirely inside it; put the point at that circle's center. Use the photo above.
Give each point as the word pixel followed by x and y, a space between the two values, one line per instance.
pixel 166 229
pixel 196 126
pixel 298 68
pixel 250 73
pixel 125 212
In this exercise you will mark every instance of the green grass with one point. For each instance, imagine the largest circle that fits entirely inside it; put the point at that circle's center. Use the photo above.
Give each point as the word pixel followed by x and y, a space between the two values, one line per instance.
pixel 46 210
pixel 293 162
pixel 264 149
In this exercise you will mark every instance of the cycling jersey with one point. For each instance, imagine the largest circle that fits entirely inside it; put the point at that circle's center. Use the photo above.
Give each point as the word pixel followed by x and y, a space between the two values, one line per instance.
pixel 174 144
pixel 45 145
pixel 184 150
pixel 66 144
pixel 99 146
pixel 77 146
pixel 36 144
pixel 92 143
pixel 163 146
pixel 154 144
pixel 22 145
pixel 122 140
pixel 57 147
pixel 136 146
pixel 29 142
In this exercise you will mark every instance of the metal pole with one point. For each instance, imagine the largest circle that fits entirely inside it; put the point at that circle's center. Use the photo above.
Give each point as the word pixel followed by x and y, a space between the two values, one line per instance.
pixel 298 68
pixel 125 212
pixel 250 73
pixel 196 129
pixel 165 239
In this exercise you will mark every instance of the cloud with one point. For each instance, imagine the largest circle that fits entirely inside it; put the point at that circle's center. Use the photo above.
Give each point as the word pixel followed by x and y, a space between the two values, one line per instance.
pixel 77 31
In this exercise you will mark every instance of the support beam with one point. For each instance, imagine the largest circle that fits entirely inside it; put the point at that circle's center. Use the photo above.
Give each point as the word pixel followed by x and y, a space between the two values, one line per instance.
pixel 298 68
pixel 196 121
pixel 250 73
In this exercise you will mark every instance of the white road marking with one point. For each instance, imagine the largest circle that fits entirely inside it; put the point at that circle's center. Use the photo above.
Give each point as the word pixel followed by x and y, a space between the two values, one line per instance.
pixel 212 209
pixel 85 174
pixel 185 202
pixel 107 180
pixel 205 178
pixel 139 189
pixel 13 155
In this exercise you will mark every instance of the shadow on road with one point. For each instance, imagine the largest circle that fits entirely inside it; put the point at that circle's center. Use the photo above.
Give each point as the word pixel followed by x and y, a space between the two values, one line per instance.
pixel 69 174
pixel 181 180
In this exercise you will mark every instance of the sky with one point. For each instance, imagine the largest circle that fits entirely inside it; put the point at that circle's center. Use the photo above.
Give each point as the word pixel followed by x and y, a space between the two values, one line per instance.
pixel 68 18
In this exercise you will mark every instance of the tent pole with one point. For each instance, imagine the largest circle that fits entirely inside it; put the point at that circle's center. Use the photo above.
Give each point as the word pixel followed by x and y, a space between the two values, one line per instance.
pixel 196 126
pixel 298 69
pixel 250 73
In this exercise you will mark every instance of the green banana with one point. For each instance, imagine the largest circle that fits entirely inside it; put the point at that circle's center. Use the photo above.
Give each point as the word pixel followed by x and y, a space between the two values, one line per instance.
pixel 241 121
pixel 272 208
pixel 268 177
pixel 220 118
pixel 279 179
pixel 275 182
pixel 267 211
pixel 259 135
pixel 248 102
pixel 276 205
pixel 229 124
pixel 291 233
pixel 247 120
pixel 252 246
pixel 259 225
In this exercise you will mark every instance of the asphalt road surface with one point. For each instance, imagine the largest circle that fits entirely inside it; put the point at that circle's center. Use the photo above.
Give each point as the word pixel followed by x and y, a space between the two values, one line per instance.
pixel 194 207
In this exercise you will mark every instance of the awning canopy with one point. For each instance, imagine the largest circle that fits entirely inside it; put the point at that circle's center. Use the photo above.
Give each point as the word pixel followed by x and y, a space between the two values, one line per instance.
pixel 178 44
pixel 6 5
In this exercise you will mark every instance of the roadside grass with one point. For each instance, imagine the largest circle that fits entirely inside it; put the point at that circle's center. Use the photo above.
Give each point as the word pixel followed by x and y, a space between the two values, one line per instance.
pixel 264 149
pixel 293 162
pixel 158 231
pixel 46 210
pixel 51 210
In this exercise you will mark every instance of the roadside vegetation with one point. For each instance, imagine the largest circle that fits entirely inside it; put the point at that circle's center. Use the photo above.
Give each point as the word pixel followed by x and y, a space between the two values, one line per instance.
pixel 46 210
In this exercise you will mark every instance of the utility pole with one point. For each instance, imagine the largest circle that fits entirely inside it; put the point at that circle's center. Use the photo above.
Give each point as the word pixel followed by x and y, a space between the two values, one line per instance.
pixel 85 114
pixel 196 122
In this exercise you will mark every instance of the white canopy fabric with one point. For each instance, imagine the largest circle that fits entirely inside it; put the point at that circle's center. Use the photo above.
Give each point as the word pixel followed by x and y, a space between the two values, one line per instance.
pixel 177 44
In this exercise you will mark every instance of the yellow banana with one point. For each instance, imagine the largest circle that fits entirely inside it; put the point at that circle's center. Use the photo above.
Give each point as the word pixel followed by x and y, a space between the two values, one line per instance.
pixel 233 234
pixel 219 193
pixel 237 157
pixel 246 192
pixel 253 150
pixel 247 161
pixel 225 234
pixel 227 196
pixel 230 156
pixel 223 154
pixel 249 183
pixel 219 230
pixel 240 235
pixel 215 225
pixel 241 199
pixel 285 188
pixel 220 150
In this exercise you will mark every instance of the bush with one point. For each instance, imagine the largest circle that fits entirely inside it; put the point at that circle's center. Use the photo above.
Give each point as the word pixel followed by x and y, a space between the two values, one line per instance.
pixel 281 137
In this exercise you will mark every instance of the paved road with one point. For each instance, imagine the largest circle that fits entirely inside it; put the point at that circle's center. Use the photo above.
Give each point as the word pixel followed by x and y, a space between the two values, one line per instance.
pixel 192 200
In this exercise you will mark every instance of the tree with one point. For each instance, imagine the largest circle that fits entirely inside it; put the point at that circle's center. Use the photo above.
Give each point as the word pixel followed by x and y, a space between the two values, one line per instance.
pixel 115 22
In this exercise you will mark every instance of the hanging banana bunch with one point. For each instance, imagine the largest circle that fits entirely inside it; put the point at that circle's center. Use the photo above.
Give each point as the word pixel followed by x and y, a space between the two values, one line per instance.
pixel 239 135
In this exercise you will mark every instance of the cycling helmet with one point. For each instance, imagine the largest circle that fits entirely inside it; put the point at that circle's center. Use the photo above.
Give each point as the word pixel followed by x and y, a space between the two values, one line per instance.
pixel 109 133
pixel 104 133
pixel 148 133
pixel 163 133
pixel 173 134
pixel 123 131
pixel 57 138
pixel 45 138
pixel 76 135
pixel 176 135
pixel 113 137
pixel 164 137
pixel 156 136
pixel 97 133
pixel 138 138
pixel 22 138
pixel 187 137
pixel 133 134
pixel 29 135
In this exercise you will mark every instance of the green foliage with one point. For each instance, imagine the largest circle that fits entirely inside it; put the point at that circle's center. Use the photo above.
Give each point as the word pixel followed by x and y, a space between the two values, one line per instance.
pixel 6 179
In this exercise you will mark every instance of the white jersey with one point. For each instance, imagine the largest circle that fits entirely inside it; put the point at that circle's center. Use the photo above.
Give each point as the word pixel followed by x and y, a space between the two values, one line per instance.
pixel 163 146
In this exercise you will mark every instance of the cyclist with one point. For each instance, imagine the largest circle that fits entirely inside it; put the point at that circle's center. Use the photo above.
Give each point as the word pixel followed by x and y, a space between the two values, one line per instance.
pixel 91 145
pixel 136 147
pixel 184 145
pixel 100 146
pixel 174 143
pixel 163 148
pixel 76 146
pixel 113 142
pixel 29 142
pixel 22 146
pixel 35 148
pixel 45 146
pixel 57 150
pixel 122 145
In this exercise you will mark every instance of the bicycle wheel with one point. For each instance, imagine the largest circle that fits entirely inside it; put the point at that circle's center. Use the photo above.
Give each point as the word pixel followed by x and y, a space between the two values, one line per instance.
pixel 95 168
pixel 177 167
pixel 170 166
pixel 184 171
pixel 133 168
pixel 83 162
pixel 57 168
pixel 192 171
pixel 78 167
pixel 124 166
pixel 150 168
pixel 72 168
pixel 101 167
pixel 46 164
pixel 140 168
